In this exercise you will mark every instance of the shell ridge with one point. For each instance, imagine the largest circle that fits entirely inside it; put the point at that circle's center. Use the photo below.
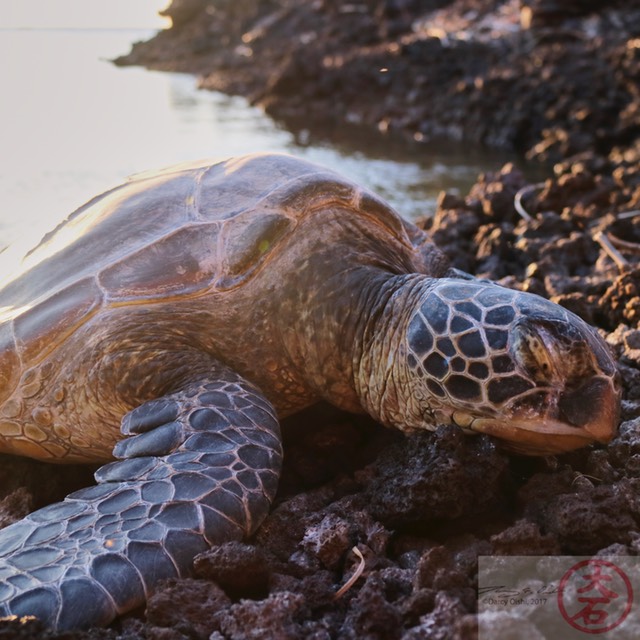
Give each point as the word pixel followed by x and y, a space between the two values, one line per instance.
pixel 14 337
pixel 181 168
pixel 366 202
pixel 193 202
pixel 288 193
pixel 52 319
pixel 139 249
pixel 12 363
pixel 115 295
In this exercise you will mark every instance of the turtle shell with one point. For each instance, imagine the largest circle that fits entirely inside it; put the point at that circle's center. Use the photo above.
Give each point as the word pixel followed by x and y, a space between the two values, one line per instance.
pixel 175 233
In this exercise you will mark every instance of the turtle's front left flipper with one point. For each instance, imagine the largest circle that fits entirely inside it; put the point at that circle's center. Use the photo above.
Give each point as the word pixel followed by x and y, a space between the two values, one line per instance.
pixel 200 467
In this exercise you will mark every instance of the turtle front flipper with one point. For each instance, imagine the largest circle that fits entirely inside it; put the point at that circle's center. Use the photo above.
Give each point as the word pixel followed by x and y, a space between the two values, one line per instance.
pixel 201 468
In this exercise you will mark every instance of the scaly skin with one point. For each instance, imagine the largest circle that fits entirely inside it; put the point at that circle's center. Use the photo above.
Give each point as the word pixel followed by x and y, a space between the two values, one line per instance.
pixel 200 467
pixel 491 360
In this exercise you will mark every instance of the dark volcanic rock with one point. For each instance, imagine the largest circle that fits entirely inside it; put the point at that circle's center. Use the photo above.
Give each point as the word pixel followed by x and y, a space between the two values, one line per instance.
pixel 545 77
pixel 522 539
pixel 240 569
pixel 278 616
pixel 186 606
pixel 371 613
pixel 446 476
pixel 588 520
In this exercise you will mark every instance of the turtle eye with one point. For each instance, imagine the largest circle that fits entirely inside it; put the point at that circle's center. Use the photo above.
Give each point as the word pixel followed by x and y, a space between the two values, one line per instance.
pixel 531 351
pixel 553 353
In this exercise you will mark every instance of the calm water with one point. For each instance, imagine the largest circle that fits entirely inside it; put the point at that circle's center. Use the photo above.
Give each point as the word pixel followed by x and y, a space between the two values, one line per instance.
pixel 72 125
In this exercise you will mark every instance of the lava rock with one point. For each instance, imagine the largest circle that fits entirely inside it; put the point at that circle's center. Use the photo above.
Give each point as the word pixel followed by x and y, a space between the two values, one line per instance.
pixel 441 476
pixel 186 606
pixel 241 570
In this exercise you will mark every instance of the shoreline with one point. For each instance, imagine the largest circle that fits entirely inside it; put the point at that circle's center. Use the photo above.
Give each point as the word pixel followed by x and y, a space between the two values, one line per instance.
pixel 544 84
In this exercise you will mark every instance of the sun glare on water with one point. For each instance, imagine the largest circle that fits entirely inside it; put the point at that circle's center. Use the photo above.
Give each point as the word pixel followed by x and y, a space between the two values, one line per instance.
pixel 81 14
pixel 64 120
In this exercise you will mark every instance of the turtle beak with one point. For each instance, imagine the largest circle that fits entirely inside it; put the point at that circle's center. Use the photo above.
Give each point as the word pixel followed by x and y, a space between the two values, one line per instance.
pixel 577 418
pixel 577 399
pixel 594 408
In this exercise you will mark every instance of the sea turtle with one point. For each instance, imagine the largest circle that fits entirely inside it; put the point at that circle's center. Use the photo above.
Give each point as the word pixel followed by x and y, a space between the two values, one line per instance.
pixel 171 321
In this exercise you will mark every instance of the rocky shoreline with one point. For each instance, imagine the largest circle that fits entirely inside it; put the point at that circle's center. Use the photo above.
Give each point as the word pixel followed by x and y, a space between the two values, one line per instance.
pixel 420 510
pixel 545 78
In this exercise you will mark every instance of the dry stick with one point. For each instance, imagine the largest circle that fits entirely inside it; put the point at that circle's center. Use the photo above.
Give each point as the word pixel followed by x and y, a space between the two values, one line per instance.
pixel 632 247
pixel 517 200
pixel 356 574
pixel 628 214
pixel 603 240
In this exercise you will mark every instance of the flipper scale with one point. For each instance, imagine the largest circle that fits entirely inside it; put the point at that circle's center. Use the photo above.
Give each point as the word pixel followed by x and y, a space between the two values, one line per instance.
pixel 100 552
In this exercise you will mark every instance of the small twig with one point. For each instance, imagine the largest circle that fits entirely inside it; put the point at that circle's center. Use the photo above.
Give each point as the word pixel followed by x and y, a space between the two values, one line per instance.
pixel 625 215
pixel 603 240
pixel 356 574
pixel 579 476
pixel 517 199
pixel 631 247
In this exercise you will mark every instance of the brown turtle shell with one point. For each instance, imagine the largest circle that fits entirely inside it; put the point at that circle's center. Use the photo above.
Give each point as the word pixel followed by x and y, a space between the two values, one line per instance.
pixel 172 234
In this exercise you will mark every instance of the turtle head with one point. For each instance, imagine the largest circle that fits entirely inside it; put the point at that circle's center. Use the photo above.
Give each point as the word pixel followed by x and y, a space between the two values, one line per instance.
pixel 509 364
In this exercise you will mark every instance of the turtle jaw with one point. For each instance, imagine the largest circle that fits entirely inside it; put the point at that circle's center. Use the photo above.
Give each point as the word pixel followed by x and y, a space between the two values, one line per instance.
pixel 573 420
pixel 544 438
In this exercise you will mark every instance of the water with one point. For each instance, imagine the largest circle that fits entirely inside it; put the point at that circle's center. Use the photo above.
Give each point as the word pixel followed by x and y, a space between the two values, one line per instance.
pixel 72 125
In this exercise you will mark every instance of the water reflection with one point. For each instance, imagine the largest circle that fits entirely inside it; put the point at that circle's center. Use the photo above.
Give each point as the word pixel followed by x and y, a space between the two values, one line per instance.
pixel 72 125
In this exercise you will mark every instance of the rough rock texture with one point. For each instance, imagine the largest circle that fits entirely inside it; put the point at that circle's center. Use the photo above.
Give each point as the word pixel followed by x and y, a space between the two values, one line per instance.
pixel 545 77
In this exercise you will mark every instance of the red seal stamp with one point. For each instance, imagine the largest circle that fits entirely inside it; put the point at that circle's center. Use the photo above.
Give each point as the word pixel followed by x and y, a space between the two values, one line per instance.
pixel 595 596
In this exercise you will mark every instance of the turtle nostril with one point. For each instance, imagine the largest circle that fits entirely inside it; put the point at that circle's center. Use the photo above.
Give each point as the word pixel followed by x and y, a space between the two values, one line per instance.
pixel 579 407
